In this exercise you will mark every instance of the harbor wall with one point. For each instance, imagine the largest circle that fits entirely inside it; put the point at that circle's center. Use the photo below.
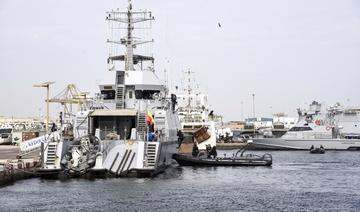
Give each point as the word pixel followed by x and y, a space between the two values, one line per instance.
pixel 19 170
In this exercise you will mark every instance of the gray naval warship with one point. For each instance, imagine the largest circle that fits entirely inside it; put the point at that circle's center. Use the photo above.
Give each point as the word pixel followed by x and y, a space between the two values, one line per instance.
pixel 334 127
pixel 131 126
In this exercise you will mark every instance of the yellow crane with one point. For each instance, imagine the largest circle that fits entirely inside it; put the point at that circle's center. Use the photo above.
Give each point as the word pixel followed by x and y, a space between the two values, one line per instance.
pixel 69 96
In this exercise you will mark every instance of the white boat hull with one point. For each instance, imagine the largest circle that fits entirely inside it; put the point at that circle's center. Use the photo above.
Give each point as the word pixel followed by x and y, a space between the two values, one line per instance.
pixel 138 157
pixel 305 144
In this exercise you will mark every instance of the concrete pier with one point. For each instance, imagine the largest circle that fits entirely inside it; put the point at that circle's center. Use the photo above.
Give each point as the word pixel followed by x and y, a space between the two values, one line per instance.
pixel 10 152
pixel 13 169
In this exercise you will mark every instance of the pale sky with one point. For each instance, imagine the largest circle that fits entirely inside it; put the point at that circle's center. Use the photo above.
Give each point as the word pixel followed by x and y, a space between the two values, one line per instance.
pixel 286 52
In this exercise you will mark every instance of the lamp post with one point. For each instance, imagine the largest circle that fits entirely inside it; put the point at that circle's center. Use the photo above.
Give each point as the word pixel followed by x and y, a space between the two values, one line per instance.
pixel 242 110
pixel 47 86
pixel 253 96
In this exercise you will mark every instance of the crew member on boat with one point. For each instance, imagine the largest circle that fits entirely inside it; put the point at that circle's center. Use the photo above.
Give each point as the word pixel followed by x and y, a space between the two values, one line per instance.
pixel 180 137
pixel 150 123
pixel 195 150
pixel 211 151
pixel 156 135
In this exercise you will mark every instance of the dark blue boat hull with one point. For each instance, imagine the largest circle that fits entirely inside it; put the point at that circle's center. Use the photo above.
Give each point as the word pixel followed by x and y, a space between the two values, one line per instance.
pixel 189 160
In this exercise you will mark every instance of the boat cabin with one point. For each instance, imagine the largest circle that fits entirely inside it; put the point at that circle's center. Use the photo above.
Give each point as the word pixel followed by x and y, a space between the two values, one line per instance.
pixel 117 124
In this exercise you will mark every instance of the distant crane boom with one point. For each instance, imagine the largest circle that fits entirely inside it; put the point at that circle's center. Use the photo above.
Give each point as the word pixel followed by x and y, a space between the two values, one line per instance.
pixel 69 96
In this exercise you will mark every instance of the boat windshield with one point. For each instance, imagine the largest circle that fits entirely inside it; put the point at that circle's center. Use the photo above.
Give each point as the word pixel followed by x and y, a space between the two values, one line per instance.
pixel 296 129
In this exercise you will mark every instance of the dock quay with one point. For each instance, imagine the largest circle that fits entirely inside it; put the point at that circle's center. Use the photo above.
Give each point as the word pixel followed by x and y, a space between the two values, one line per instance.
pixel 12 168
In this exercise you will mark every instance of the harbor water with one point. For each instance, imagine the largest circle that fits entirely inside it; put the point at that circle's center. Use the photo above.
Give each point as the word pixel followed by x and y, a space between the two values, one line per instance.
pixel 297 181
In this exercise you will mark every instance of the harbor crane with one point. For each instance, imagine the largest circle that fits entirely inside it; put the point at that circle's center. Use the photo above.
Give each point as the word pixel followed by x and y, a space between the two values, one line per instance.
pixel 69 96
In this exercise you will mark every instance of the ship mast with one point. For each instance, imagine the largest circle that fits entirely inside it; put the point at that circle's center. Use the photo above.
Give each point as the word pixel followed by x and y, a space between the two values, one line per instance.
pixel 188 72
pixel 129 18
pixel 129 58
pixel 117 20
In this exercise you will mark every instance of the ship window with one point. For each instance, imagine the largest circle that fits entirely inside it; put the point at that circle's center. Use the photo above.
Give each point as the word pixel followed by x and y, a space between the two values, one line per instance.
pixel 108 94
pixel 107 87
pixel 146 94
pixel 138 94
pixel 296 129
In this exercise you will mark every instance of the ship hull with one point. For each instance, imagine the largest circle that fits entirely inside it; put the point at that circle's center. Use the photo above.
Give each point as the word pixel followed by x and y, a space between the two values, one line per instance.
pixel 138 158
pixel 124 159
pixel 189 160
pixel 166 152
pixel 305 144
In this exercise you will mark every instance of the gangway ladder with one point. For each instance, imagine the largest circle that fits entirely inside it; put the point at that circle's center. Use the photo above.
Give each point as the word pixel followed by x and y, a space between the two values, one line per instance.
pixel 120 93
pixel 141 124
pixel 151 152
pixel 51 154
pixel 120 90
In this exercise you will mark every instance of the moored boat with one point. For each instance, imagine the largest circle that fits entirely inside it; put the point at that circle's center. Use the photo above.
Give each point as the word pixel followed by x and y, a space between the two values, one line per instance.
pixel 334 128
pixel 238 159
pixel 319 150
pixel 130 128
pixel 248 160
pixel 198 121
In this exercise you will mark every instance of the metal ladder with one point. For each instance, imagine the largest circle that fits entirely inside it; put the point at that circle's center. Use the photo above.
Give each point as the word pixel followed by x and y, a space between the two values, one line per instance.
pixel 151 153
pixel 120 96
pixel 141 125
pixel 51 154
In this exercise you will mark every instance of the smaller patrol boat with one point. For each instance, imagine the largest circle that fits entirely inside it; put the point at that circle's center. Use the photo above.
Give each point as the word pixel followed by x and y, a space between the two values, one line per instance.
pixel 320 150
pixel 210 158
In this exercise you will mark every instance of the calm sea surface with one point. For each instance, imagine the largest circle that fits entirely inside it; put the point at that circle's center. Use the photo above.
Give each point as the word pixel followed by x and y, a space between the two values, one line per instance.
pixel 297 181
